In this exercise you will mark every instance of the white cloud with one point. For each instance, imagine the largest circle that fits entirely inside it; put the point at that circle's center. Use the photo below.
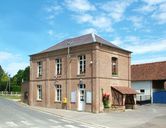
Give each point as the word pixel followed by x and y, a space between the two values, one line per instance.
pixel 5 56
pixel 146 9
pixel 12 68
pixel 101 22
pixel 83 18
pixel 116 9
pixel 50 32
pixel 153 2
pixel 160 14
pixel 89 30
pixel 12 62
pixel 79 5
pixel 137 21
pixel 148 59
pixel 142 47
pixel 54 8
pixel 117 41
pixel 160 17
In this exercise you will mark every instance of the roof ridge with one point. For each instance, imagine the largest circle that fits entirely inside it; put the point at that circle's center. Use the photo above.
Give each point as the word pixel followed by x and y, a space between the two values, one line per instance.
pixel 93 36
pixel 148 63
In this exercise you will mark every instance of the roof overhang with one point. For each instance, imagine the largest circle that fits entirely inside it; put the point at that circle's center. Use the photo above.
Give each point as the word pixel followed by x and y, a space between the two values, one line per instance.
pixel 124 90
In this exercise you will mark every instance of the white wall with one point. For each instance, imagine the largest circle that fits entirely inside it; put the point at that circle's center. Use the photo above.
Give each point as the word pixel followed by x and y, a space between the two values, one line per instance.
pixel 147 86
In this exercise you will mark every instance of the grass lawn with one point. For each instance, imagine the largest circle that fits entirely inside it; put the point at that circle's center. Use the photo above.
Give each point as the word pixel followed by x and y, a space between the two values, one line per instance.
pixel 10 97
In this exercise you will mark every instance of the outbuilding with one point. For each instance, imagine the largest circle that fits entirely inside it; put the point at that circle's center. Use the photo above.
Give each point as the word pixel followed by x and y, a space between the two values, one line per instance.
pixel 149 80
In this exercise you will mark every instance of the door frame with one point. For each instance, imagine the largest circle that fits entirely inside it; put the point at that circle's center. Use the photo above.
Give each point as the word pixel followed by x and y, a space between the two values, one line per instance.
pixel 81 106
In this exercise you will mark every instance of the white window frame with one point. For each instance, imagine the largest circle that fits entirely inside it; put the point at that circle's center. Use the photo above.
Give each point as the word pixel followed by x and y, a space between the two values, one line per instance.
pixel 39 92
pixel 58 93
pixel 58 66
pixel 39 68
pixel 81 64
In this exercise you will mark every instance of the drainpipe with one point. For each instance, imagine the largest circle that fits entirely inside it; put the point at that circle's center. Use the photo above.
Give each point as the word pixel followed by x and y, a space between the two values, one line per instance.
pixel 67 65
pixel 92 78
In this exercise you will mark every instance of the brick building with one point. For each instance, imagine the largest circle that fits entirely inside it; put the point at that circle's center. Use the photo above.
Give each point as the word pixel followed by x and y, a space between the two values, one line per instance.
pixel 78 71
pixel 149 80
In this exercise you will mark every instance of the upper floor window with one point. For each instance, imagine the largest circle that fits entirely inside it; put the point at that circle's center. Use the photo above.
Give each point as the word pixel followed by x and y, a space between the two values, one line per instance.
pixel 39 68
pixel 82 64
pixel 58 93
pixel 58 66
pixel 114 66
pixel 39 92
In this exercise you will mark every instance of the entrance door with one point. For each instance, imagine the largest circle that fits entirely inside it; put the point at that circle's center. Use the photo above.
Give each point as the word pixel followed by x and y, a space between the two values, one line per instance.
pixel 81 98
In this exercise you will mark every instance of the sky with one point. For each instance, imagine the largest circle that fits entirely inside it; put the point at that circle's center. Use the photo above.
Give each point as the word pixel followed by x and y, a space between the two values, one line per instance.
pixel 30 26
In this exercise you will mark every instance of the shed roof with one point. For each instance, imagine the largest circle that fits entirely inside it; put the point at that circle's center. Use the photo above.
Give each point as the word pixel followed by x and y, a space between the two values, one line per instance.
pixel 124 90
pixel 81 40
pixel 148 71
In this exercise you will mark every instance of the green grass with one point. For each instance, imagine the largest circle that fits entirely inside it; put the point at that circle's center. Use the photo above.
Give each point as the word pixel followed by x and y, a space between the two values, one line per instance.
pixel 10 97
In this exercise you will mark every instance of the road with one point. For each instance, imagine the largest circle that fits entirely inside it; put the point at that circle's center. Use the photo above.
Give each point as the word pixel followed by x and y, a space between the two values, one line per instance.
pixel 15 115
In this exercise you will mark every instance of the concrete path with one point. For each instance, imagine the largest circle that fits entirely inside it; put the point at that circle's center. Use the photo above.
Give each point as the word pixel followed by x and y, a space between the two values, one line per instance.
pixel 16 115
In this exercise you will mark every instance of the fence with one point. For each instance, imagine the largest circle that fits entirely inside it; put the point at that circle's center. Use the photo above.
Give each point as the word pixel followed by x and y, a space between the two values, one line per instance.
pixel 6 93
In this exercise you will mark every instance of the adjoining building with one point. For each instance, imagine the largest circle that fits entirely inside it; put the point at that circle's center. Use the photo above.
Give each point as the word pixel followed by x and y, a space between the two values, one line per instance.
pixel 150 81
pixel 75 73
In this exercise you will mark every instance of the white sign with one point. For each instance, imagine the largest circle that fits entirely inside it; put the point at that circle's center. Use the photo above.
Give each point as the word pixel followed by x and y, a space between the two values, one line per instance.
pixel 88 97
pixel 73 96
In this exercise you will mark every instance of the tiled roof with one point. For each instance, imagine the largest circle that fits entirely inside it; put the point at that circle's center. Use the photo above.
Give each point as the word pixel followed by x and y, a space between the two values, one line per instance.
pixel 149 71
pixel 124 90
pixel 81 40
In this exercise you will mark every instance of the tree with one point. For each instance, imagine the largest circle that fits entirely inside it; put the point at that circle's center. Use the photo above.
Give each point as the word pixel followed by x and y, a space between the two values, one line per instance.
pixel 1 72
pixel 4 78
pixel 26 74
pixel 17 79
pixel 22 75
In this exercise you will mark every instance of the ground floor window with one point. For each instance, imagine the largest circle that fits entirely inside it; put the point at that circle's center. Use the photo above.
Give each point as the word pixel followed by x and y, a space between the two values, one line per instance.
pixel 39 92
pixel 58 93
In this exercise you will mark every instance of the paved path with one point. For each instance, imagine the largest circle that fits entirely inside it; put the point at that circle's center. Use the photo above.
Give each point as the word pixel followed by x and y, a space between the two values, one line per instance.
pixel 153 116
pixel 15 115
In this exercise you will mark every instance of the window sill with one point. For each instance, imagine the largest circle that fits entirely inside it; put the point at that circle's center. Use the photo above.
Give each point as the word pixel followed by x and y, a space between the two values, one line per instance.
pixel 57 101
pixel 80 75
pixel 39 77
pixel 39 100
pixel 58 76
pixel 114 75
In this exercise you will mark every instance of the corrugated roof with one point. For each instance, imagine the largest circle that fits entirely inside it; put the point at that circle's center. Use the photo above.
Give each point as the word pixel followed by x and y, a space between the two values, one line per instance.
pixel 149 71
pixel 124 90
pixel 81 40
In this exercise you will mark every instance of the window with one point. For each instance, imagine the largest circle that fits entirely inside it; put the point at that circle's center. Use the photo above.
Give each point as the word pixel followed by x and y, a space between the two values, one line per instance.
pixel 114 66
pixel 82 64
pixel 39 69
pixel 142 91
pixel 58 66
pixel 58 93
pixel 39 92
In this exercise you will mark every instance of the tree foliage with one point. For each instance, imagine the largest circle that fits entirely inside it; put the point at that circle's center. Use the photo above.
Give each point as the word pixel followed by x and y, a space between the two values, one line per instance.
pixel 15 81
pixel 21 76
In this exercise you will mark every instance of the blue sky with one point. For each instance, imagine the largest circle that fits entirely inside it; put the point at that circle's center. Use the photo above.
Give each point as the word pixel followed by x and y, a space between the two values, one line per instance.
pixel 30 26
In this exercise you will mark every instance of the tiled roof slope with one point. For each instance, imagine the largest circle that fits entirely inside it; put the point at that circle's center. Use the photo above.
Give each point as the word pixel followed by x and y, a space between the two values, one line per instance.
pixel 81 40
pixel 124 90
pixel 149 71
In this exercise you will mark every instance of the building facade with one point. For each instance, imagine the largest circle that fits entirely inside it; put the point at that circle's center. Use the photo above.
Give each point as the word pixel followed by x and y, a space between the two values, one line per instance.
pixel 76 72
pixel 149 80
